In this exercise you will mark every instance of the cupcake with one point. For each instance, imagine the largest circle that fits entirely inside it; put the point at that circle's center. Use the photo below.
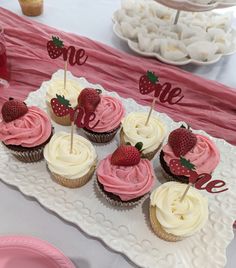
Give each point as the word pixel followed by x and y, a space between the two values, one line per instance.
pixel 172 219
pixel 109 113
pixel 31 7
pixel 196 148
pixel 151 135
pixel 70 169
pixel 123 178
pixel 24 130
pixel 71 92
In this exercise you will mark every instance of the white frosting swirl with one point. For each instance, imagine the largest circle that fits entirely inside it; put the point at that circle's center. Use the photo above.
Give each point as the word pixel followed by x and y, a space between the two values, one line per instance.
pixel 70 165
pixel 179 218
pixel 71 93
pixel 152 135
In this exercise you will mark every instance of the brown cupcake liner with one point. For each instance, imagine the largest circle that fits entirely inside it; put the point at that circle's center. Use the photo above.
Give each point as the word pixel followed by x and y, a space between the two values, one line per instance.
pixel 28 156
pixel 64 120
pixel 31 9
pixel 74 183
pixel 127 204
pixel 100 137
pixel 157 228
pixel 149 155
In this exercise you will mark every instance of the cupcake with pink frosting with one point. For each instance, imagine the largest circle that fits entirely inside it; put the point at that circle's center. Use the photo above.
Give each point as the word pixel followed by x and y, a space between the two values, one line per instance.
pixel 109 112
pixel 24 130
pixel 124 177
pixel 196 148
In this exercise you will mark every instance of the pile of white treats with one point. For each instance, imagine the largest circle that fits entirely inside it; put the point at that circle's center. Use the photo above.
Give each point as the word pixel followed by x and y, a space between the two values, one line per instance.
pixel 200 36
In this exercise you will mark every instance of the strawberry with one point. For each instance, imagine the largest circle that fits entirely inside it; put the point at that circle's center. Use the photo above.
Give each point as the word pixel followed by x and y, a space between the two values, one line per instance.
pixel 183 167
pixel 13 109
pixel 148 83
pixel 55 47
pixel 182 140
pixel 61 106
pixel 126 155
pixel 89 99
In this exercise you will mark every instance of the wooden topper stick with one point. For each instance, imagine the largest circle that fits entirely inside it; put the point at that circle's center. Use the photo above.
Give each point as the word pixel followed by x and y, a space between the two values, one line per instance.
pixel 150 111
pixel 185 192
pixel 72 131
pixel 65 71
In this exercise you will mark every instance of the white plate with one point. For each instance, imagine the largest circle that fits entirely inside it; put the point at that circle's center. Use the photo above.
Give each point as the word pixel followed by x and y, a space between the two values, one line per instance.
pixel 134 45
pixel 128 230
pixel 189 5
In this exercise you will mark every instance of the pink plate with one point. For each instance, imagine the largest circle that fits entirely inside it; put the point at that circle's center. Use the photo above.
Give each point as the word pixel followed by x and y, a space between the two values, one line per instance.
pixel 29 252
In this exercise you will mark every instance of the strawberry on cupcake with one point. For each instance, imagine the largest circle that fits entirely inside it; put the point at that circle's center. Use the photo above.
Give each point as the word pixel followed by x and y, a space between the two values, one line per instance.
pixel 109 112
pixel 124 177
pixel 194 149
pixel 24 130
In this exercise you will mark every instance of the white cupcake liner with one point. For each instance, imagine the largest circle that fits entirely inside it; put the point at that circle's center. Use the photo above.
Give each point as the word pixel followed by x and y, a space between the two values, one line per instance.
pixel 157 228
pixel 117 203
pixel 74 183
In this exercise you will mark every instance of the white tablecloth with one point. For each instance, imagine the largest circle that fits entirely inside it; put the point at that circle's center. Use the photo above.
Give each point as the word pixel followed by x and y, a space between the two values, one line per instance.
pixel 25 216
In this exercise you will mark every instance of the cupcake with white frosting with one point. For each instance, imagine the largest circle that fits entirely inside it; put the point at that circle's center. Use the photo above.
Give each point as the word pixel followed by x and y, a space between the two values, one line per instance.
pixel 151 135
pixel 71 93
pixel 172 219
pixel 70 169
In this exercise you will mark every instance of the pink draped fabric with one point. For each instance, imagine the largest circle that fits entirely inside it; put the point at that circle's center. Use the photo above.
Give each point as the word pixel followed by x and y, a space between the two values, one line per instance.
pixel 206 105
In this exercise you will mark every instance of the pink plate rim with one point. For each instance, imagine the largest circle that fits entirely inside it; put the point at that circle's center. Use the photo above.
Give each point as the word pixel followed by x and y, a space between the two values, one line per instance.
pixel 37 244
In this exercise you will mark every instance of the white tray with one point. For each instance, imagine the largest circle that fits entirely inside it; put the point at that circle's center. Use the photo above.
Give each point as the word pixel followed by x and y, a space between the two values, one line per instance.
pixel 133 43
pixel 128 230
pixel 189 5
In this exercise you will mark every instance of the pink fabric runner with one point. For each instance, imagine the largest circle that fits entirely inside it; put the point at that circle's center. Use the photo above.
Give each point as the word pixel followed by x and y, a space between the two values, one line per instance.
pixel 207 105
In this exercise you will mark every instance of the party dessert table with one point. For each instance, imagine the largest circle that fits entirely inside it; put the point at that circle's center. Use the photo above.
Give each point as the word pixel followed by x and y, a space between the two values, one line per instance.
pixel 22 215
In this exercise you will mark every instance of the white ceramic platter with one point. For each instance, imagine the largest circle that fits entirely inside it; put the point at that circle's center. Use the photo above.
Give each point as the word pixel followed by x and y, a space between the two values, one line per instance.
pixel 128 230
pixel 144 25
pixel 197 6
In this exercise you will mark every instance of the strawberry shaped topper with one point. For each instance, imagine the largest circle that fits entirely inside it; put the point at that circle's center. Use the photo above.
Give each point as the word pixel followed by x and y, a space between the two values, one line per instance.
pixel 55 47
pixel 13 109
pixel 61 106
pixel 89 99
pixel 182 140
pixel 148 83
pixel 183 167
pixel 127 155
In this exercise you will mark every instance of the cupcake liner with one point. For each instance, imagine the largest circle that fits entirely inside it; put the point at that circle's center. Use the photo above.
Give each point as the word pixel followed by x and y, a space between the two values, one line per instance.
pixel 31 9
pixel 74 183
pixel 117 203
pixel 64 120
pixel 100 137
pixel 157 228
pixel 28 156
pixel 167 173
pixel 149 155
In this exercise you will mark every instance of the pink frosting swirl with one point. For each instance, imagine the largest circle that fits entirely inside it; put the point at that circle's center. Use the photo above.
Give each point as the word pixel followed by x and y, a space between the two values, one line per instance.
pixel 204 155
pixel 30 130
pixel 126 182
pixel 109 111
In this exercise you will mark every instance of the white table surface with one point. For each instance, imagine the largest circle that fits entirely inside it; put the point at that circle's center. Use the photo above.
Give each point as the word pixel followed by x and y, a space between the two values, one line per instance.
pixel 21 215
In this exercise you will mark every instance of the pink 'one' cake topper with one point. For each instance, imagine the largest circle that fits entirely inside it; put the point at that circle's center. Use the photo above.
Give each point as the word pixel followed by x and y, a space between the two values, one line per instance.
pixel 149 82
pixel 201 181
pixel 79 116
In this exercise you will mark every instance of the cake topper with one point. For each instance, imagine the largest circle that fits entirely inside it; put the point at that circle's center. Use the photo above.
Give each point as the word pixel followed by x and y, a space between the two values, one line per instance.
pixel 56 48
pixel 183 167
pixel 149 82
pixel 79 116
